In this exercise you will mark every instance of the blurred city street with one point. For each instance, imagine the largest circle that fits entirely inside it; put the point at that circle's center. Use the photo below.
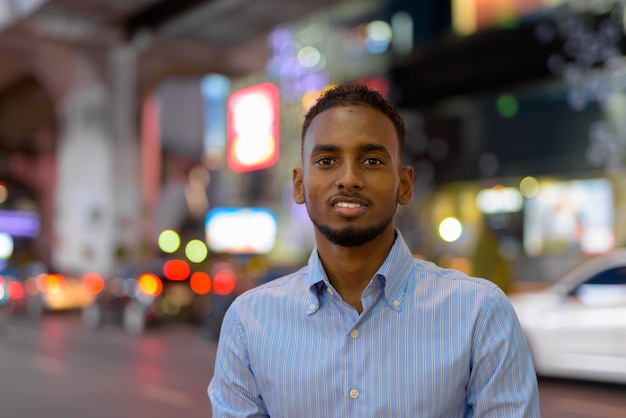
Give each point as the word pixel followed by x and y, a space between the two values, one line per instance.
pixel 57 368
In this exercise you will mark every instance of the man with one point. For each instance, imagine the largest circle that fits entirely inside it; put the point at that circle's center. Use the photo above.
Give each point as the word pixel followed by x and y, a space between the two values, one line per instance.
pixel 366 330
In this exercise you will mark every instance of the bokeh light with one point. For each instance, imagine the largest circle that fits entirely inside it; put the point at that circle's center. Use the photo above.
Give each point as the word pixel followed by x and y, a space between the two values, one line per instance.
pixel 196 251
pixel 93 282
pixel 200 283
pixel 176 270
pixel 224 282
pixel 378 36
pixel 15 290
pixel 54 283
pixel 529 187
pixel 6 245
pixel 309 56
pixel 169 241
pixel 507 105
pixel 149 284
pixel 450 229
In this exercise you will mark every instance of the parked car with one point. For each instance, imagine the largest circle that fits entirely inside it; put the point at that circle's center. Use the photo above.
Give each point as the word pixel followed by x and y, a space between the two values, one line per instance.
pixel 576 327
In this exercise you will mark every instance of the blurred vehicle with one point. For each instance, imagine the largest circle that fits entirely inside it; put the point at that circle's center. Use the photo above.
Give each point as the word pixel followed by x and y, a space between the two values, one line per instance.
pixel 576 328
pixel 31 290
pixel 19 293
pixel 138 295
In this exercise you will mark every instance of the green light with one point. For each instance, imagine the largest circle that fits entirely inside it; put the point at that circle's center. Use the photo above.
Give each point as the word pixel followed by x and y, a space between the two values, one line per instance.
pixel 169 241
pixel 507 105
pixel 196 251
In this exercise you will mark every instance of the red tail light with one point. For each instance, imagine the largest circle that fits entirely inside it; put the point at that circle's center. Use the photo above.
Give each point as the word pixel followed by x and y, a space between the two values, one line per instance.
pixel 224 282
pixel 200 283
pixel 149 284
pixel 176 270
pixel 15 290
pixel 93 282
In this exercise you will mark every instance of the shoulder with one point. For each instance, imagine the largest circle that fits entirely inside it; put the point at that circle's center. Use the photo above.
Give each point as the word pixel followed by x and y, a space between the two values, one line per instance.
pixel 282 288
pixel 431 272
pixel 450 288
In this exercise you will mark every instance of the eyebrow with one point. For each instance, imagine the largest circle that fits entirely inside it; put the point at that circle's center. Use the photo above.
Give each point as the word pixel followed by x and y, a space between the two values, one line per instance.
pixel 365 147
pixel 324 148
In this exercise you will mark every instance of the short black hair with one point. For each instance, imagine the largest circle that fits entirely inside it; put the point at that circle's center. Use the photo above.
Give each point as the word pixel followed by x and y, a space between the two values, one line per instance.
pixel 356 94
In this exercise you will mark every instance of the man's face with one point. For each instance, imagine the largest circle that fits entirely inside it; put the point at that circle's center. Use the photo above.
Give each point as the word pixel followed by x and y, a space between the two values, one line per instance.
pixel 352 177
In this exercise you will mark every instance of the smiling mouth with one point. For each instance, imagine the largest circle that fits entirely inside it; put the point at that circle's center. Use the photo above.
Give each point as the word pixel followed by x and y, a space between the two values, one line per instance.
pixel 349 208
pixel 348 205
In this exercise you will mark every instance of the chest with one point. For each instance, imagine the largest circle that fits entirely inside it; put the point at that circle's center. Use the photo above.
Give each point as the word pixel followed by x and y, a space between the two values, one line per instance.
pixel 382 363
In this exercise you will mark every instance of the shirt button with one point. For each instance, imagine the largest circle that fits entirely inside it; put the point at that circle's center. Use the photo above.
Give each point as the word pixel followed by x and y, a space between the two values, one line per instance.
pixel 354 333
pixel 354 393
pixel 312 307
pixel 396 303
pixel 330 291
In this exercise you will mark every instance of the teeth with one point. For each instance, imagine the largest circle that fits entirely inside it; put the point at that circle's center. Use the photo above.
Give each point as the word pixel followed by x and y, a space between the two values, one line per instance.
pixel 348 205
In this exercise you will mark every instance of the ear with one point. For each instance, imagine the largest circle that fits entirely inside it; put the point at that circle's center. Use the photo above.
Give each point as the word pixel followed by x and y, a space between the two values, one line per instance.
pixel 405 191
pixel 298 187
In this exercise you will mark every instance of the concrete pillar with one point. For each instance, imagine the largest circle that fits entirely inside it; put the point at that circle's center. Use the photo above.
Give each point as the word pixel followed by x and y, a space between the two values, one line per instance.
pixel 98 199
pixel 85 221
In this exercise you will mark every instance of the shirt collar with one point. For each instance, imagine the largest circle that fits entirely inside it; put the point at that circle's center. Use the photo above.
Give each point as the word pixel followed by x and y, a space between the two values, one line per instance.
pixel 394 273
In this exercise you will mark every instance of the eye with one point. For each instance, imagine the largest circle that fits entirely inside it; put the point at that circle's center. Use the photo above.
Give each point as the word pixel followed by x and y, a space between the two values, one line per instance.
pixel 372 161
pixel 324 161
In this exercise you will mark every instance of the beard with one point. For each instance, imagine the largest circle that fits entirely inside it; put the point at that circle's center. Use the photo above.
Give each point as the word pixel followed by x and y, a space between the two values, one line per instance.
pixel 352 236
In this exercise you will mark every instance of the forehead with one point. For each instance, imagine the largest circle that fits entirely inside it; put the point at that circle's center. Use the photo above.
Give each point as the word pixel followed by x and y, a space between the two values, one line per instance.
pixel 344 126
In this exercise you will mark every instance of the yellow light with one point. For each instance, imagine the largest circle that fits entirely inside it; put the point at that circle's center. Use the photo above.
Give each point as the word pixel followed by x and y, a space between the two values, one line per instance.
pixel 529 186
pixel 309 98
pixel 464 17
pixel 169 241
pixel 196 251
pixel 450 229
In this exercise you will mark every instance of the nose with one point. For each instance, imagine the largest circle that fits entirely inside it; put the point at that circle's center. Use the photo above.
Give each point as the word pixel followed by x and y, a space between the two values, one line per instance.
pixel 349 177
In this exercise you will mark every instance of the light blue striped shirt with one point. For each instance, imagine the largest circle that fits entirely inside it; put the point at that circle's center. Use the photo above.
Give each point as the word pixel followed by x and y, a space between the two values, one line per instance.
pixel 430 342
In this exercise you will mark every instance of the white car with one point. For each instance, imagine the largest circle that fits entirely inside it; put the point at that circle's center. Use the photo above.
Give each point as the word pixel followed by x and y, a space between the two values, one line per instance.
pixel 576 328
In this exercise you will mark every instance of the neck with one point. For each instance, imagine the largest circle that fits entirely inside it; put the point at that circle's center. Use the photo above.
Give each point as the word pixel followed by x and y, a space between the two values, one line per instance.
pixel 350 269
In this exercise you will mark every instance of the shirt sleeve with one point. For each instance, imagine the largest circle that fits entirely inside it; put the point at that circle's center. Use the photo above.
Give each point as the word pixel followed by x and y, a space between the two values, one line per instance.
pixel 503 382
pixel 233 390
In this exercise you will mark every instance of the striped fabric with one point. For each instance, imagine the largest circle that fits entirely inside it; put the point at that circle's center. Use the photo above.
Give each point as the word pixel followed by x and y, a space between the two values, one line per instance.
pixel 430 342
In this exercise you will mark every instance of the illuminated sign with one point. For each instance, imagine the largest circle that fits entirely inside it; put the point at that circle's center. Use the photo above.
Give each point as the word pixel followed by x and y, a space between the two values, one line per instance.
pixel 571 215
pixel 253 128
pixel 241 230
pixel 469 16
pixel 499 199
pixel 19 223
